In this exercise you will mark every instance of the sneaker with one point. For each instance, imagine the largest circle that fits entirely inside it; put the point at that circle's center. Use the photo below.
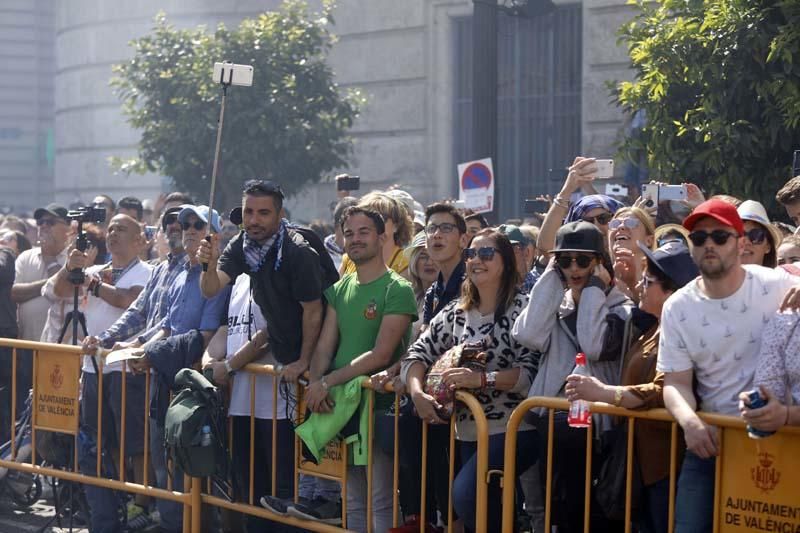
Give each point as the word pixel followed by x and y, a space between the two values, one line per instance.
pixel 318 510
pixel 279 506
pixel 138 518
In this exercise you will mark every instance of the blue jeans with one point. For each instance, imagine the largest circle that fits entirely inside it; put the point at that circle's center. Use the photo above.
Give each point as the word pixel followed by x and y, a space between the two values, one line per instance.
pixel 694 502
pixel 464 497
pixel 655 512
pixel 104 505
pixel 171 512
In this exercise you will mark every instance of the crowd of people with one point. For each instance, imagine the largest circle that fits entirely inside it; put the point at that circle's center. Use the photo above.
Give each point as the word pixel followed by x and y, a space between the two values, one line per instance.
pixel 686 305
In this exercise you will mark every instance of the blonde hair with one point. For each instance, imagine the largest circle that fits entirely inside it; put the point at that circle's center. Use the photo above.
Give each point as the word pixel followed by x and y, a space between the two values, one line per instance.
pixel 393 210
pixel 643 216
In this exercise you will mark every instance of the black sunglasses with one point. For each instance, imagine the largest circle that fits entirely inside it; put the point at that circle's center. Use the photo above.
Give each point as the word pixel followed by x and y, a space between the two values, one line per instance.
pixel 756 235
pixel 198 225
pixel 601 219
pixel 719 236
pixel 484 253
pixel 565 261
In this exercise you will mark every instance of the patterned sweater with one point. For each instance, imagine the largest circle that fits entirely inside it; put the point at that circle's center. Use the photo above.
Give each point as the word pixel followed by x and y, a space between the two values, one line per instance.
pixel 453 326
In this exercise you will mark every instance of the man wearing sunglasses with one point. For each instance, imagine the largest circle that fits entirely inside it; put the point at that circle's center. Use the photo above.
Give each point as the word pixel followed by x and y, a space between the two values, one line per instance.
pixel 711 332
pixel 32 269
pixel 187 310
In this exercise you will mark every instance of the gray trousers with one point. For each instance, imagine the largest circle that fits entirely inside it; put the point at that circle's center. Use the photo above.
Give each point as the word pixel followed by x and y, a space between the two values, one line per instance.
pixel 382 465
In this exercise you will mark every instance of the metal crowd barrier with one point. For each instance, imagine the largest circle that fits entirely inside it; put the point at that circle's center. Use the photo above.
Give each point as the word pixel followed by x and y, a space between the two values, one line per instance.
pixel 252 508
pixel 62 363
pixel 723 423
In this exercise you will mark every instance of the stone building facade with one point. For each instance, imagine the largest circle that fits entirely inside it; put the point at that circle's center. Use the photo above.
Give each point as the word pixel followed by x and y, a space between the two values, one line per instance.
pixel 407 56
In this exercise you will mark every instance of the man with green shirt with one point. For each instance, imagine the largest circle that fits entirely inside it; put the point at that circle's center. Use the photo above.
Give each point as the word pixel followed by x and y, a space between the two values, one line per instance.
pixel 369 318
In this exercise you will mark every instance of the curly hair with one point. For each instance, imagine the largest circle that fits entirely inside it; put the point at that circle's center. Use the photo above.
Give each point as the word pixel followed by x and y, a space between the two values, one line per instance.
pixel 392 210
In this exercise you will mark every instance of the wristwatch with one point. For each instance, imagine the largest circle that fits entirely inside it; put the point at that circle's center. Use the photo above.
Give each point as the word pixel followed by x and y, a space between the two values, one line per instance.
pixel 230 370
pixel 491 379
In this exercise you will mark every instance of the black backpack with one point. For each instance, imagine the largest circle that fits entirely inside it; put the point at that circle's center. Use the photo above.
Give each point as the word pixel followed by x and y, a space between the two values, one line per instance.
pixel 194 429
pixel 329 273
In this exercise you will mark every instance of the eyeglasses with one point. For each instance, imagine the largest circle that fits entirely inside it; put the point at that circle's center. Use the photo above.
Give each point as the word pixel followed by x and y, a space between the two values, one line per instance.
pixel 719 236
pixel 444 227
pixel 484 253
pixel 48 222
pixel 565 261
pixel 647 281
pixel 170 218
pixel 601 219
pixel 756 235
pixel 630 223
pixel 198 225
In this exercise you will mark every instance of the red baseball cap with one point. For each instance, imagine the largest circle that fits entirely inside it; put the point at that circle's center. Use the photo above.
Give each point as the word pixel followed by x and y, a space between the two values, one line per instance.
pixel 719 210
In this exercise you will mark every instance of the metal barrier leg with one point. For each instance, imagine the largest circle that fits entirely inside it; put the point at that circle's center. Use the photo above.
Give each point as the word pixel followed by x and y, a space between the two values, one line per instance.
pixel 196 505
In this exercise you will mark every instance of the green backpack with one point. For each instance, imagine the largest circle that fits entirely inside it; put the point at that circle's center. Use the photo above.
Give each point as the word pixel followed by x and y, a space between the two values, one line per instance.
pixel 194 430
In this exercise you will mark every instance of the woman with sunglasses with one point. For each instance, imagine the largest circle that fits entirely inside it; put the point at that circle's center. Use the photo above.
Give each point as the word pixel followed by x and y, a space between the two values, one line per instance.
pixel 571 310
pixel 487 308
pixel 630 226
pixel 761 237
pixel 669 268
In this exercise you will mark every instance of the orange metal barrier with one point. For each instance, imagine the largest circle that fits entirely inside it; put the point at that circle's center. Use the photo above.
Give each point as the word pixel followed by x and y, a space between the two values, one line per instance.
pixel 62 364
pixel 722 422
pixel 329 471
pixel 61 361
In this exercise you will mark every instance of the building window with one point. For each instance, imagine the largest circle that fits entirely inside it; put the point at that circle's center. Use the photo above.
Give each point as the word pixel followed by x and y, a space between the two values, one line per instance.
pixel 539 107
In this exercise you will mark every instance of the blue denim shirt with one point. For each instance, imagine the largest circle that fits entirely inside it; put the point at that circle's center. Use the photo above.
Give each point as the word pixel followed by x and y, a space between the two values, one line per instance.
pixel 149 309
pixel 189 309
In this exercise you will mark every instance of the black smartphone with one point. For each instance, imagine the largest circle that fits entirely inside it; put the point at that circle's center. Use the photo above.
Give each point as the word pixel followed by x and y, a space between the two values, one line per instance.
pixel 533 207
pixel 796 163
pixel 348 183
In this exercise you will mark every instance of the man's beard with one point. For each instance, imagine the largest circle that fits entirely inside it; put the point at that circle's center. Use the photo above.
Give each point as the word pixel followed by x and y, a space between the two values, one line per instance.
pixel 716 271
pixel 363 258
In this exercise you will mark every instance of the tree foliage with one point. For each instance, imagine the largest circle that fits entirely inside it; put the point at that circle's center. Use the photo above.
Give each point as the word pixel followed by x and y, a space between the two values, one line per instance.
pixel 290 126
pixel 721 87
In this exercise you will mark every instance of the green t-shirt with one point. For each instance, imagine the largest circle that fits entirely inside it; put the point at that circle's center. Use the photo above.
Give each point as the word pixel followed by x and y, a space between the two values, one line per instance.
pixel 360 309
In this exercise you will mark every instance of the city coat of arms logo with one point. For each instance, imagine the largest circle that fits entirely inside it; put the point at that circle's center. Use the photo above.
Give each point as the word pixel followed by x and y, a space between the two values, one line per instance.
pixel 765 476
pixel 56 377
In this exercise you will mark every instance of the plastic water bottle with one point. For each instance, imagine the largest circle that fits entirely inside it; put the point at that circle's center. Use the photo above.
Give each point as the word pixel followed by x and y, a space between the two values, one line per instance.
pixel 205 436
pixel 579 414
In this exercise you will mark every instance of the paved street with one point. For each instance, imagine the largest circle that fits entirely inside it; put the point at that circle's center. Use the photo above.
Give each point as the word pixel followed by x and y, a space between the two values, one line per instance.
pixel 14 519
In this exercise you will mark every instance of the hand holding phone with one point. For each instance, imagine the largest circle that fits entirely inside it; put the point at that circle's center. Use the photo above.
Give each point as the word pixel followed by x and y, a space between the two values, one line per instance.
pixel 605 168
pixel 345 182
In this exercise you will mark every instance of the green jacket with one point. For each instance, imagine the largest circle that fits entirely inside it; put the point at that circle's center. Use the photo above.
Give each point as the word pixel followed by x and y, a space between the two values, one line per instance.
pixel 321 428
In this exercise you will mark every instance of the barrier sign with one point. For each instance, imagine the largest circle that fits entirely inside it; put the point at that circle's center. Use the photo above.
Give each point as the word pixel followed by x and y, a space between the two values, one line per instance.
pixel 56 401
pixel 758 490
pixel 476 185
pixel 333 462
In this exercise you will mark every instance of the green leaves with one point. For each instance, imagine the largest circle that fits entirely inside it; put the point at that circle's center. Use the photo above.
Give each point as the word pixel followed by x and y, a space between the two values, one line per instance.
pixel 721 91
pixel 290 126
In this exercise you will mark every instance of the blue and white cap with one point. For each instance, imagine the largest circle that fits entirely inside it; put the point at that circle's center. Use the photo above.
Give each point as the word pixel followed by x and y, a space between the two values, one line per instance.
pixel 201 211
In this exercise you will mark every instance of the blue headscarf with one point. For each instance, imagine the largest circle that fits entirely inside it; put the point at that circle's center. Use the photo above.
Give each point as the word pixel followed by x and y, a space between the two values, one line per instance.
pixel 579 209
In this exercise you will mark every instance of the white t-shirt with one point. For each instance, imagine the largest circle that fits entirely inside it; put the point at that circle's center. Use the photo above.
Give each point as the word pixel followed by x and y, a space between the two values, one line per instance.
pixel 245 316
pixel 101 315
pixel 30 267
pixel 720 338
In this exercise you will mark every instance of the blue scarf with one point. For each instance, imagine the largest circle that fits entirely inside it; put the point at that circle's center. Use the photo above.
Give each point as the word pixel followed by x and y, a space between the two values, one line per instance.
pixel 255 254
pixel 593 201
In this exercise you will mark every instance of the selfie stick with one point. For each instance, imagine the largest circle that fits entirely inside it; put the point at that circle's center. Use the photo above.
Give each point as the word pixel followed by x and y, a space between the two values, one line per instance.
pixel 225 84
